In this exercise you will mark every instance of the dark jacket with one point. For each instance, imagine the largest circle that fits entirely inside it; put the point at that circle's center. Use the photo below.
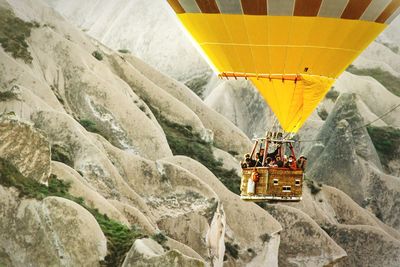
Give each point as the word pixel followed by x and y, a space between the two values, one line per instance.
pixel 273 154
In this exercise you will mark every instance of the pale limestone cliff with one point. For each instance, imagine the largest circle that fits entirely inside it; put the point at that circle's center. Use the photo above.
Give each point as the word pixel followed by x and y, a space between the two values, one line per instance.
pixel 147 252
pixel 51 232
pixel 303 242
pixel 345 157
pixel 16 140
pixel 334 211
pixel 80 188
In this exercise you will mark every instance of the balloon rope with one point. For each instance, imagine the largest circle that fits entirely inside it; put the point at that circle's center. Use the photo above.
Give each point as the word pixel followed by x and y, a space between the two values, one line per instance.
pixel 365 125
pixel 291 102
pixel 273 118
pixel 297 122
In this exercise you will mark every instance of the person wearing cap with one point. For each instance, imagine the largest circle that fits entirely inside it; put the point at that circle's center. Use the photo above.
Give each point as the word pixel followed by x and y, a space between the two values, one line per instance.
pixel 248 161
pixel 302 162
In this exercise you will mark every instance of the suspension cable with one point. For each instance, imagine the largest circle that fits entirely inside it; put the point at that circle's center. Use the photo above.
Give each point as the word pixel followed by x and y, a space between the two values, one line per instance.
pixel 353 130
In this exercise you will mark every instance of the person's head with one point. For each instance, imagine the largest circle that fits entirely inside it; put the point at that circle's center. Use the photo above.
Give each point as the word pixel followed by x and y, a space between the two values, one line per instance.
pixel 290 159
pixel 278 158
pixel 247 156
pixel 302 158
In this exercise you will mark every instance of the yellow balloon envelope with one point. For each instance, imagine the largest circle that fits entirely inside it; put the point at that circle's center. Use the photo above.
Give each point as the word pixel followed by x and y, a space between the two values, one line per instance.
pixel 292 50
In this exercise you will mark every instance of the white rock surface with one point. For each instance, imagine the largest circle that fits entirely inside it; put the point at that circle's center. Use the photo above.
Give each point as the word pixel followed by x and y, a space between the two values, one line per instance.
pixel 80 188
pixel 303 242
pixel 147 252
pixel 51 232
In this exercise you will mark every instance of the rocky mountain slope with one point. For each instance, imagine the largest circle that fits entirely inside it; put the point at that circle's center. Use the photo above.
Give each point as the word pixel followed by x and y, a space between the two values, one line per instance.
pixel 105 161
pixel 146 28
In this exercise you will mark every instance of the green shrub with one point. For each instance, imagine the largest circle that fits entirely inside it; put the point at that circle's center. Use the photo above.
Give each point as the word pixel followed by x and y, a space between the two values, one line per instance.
pixel 7 95
pixel 35 24
pixel 265 238
pixel 394 48
pixel 98 55
pixel 232 250
pixel 142 108
pixel 386 141
pixel 160 238
pixel 13 35
pixel 251 252
pixel 183 141
pixel 124 51
pixel 11 177
pixel 89 125
pixel 391 82
pixel 233 153
pixel 332 94
pixel 119 237
pixel 197 85
pixel 60 154
pixel 323 114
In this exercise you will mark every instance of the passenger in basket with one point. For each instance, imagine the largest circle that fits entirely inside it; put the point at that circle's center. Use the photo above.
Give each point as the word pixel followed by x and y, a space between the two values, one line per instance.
pixel 302 162
pixel 279 162
pixel 285 160
pixel 258 160
pixel 291 163
pixel 251 183
pixel 275 153
pixel 251 162
pixel 267 162
pixel 244 163
pixel 273 163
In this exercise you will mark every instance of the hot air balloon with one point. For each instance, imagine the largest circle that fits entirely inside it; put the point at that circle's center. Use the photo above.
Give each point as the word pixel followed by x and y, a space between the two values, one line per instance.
pixel 291 50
